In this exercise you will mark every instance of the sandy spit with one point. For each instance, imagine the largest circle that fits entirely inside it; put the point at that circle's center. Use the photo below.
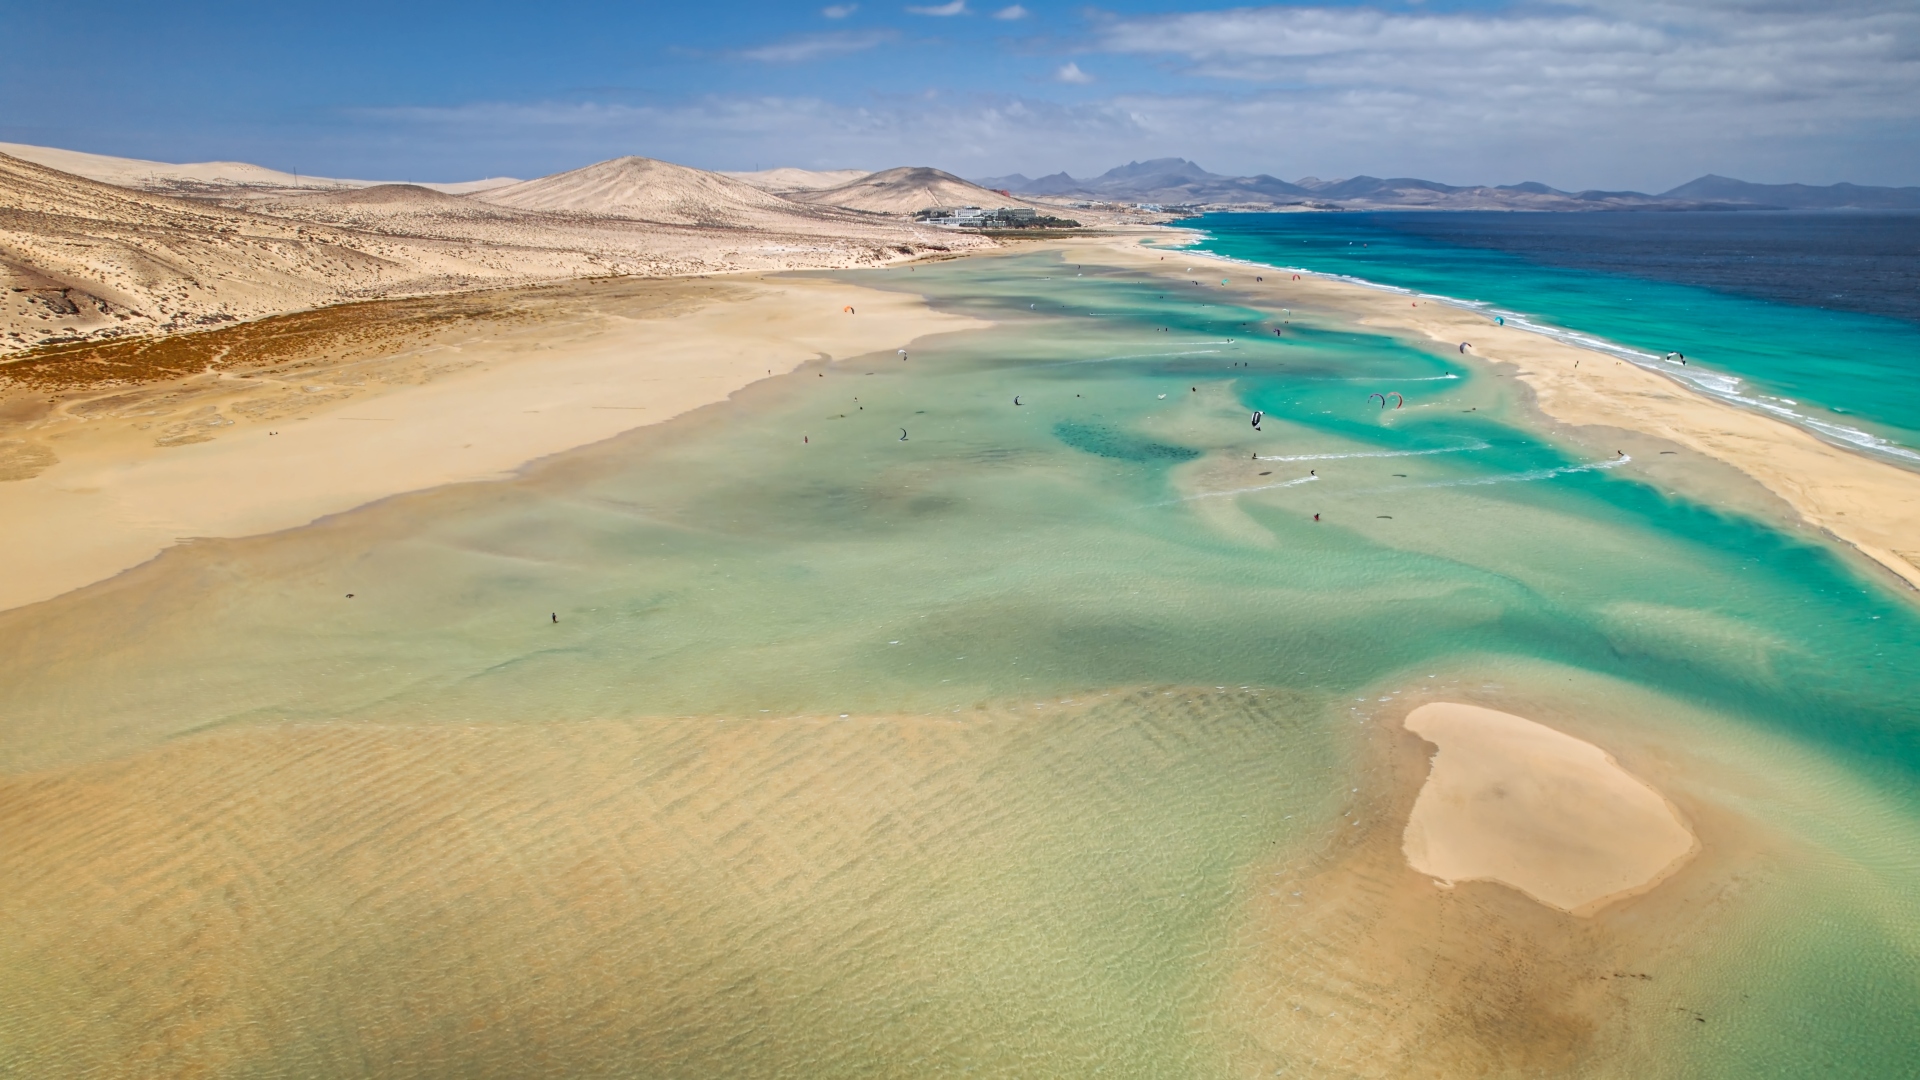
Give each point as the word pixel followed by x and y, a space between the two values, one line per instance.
pixel 1869 504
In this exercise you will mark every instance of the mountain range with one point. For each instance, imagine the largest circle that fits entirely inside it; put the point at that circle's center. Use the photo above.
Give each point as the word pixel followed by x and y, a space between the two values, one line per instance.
pixel 1178 182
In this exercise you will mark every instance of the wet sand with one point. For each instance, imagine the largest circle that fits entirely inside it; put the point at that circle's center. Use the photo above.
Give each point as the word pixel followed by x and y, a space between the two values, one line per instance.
pixel 1869 504
pixel 101 472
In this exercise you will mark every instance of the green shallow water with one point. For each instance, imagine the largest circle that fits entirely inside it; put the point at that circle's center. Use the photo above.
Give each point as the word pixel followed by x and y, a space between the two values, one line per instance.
pixel 1122 529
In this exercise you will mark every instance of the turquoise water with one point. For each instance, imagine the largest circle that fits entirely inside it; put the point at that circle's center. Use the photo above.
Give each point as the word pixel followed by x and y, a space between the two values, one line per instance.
pixel 1119 536
pixel 1853 377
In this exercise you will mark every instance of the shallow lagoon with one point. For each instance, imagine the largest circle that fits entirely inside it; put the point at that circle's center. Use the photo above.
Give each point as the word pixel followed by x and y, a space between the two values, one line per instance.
pixel 1100 671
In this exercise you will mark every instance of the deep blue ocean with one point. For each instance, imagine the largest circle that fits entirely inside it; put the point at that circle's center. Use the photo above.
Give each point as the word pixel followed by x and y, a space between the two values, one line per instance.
pixel 1813 317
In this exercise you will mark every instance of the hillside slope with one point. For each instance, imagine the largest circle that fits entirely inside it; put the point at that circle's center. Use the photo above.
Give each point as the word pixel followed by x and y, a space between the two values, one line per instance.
pixel 201 177
pixel 81 259
pixel 647 190
pixel 779 181
pixel 904 191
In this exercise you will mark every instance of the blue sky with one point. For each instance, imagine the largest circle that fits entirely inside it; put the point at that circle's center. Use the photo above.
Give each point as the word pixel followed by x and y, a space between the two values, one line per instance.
pixel 1577 93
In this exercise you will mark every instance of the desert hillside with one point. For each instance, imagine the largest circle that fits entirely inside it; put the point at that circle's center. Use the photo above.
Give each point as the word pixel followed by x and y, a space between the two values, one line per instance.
pixel 781 181
pixel 205 177
pixel 647 190
pixel 904 191
pixel 82 259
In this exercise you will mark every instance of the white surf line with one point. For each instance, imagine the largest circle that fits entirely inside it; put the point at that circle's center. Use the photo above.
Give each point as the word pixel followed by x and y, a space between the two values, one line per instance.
pixel 1376 453
pixel 1714 384
pixel 1530 475
pixel 1237 491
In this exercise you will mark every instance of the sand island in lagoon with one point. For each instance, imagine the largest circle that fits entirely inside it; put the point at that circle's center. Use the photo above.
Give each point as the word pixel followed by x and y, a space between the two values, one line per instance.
pixel 1055 737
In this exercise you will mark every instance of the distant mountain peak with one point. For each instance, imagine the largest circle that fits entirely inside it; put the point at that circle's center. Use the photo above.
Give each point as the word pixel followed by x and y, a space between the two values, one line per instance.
pixel 1725 189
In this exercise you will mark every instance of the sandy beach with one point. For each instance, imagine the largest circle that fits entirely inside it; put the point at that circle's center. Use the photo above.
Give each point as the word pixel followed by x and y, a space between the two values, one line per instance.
pixel 1869 504
pixel 105 478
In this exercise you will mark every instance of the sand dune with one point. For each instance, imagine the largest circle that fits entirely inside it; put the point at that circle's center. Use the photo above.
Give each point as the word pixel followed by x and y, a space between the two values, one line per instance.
pixel 905 191
pixel 785 180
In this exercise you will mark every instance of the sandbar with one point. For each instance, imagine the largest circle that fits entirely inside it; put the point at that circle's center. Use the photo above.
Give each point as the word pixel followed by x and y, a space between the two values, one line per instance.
pixel 1516 802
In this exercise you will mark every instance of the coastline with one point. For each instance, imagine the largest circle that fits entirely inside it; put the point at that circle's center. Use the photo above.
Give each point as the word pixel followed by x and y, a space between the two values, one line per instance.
pixel 1872 506
pixel 115 475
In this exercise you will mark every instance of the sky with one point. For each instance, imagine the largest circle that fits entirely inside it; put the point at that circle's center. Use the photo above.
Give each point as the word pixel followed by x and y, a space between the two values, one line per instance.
pixel 1611 94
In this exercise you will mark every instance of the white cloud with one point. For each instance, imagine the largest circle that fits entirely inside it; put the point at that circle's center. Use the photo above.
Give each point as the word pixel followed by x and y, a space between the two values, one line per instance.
pixel 1770 65
pixel 839 11
pixel 1070 72
pixel 806 47
pixel 1603 92
pixel 1623 94
pixel 956 7
pixel 1011 12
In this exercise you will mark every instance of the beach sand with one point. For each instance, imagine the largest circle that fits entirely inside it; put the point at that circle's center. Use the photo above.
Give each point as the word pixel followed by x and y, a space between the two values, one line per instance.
pixel 95 479
pixel 1519 803
pixel 1869 504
